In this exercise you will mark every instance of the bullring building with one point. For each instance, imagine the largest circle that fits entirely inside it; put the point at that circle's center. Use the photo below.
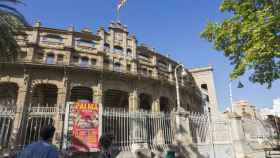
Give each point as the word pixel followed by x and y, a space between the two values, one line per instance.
pixel 109 67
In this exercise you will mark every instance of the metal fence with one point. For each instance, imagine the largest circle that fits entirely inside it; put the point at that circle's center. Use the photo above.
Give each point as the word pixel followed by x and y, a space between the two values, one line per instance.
pixel 211 135
pixel 259 133
pixel 30 121
pixel 6 124
pixel 153 130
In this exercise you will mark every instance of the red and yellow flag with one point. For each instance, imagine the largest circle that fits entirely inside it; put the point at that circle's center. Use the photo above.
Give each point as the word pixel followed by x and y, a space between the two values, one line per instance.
pixel 121 4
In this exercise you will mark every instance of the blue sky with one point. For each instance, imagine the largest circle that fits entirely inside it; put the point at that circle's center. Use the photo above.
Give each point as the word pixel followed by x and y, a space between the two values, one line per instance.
pixel 171 26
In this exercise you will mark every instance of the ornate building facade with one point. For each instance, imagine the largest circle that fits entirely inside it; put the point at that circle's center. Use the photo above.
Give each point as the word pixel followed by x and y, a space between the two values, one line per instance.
pixel 109 67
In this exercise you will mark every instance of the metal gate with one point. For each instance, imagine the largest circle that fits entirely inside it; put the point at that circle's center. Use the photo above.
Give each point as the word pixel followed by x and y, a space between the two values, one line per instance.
pixel 150 129
pixel 212 135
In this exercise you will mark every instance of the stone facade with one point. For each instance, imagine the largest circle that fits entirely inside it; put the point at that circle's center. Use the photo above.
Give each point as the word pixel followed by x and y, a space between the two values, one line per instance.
pixel 109 67
pixel 204 78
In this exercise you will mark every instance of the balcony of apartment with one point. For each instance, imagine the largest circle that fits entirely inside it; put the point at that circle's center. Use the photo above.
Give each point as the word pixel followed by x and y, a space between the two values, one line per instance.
pixel 163 66
pixel 85 45
pixel 144 59
pixel 84 62
pixel 144 72
pixel 163 76
pixel 52 40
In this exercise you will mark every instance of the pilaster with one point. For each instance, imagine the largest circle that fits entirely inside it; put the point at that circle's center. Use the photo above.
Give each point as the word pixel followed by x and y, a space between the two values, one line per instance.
pixel 133 101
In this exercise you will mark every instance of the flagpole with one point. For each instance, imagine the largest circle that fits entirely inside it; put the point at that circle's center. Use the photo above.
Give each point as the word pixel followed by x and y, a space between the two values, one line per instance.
pixel 230 95
pixel 118 15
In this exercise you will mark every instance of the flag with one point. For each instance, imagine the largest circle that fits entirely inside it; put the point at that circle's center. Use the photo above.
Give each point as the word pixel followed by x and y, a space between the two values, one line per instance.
pixel 240 85
pixel 121 4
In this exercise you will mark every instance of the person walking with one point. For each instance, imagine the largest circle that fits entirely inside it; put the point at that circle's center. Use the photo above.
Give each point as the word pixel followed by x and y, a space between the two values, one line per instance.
pixel 105 143
pixel 42 148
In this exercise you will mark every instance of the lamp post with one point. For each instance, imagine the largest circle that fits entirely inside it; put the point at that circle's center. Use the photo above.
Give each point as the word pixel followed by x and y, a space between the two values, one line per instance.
pixel 177 84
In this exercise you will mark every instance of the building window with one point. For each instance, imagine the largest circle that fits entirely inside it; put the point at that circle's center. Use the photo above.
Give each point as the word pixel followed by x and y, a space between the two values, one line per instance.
pixel 84 62
pixel 60 58
pixel 106 61
pixel 40 56
pixel 93 61
pixel 129 52
pixel 204 86
pixel 50 58
pixel 52 38
pixel 117 67
pixel 106 47
pixel 75 59
pixel 22 55
pixel 144 72
pixel 150 73
pixel 128 67
pixel 85 43
pixel 118 49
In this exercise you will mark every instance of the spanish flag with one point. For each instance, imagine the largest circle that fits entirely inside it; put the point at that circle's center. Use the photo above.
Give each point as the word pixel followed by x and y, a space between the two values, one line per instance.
pixel 121 4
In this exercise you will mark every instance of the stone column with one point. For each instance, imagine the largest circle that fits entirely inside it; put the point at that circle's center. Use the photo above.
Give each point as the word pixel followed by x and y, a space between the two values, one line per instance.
pixel 97 98
pixel 238 138
pixel 133 101
pixel 20 105
pixel 156 105
pixel 183 139
pixel 97 94
pixel 58 121
pixel 134 67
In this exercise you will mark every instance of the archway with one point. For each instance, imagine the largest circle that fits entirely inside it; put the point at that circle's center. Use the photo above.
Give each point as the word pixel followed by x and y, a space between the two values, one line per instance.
pixel 116 98
pixel 82 94
pixel 165 104
pixel 44 95
pixel 145 101
pixel 8 94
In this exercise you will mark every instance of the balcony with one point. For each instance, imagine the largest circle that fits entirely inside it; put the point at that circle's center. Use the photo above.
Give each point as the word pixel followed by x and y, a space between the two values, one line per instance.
pixel 52 41
pixel 84 45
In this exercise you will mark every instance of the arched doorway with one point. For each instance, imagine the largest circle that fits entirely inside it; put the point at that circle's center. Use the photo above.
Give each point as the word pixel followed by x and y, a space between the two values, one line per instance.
pixel 44 95
pixel 8 99
pixel 145 101
pixel 116 98
pixel 8 94
pixel 165 104
pixel 81 94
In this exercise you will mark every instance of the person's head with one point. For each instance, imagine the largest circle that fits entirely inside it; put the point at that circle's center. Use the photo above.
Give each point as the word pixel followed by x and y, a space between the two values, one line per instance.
pixel 106 141
pixel 47 132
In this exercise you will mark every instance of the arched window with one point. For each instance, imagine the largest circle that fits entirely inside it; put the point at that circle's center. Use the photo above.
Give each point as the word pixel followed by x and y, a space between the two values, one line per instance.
pixel 82 94
pixel 117 67
pixel 93 61
pixel 84 62
pixel 50 58
pixel 60 58
pixel 118 49
pixel 116 99
pixel 204 86
pixel 107 47
pixel 39 56
pixel 44 95
pixel 145 101
pixel 129 52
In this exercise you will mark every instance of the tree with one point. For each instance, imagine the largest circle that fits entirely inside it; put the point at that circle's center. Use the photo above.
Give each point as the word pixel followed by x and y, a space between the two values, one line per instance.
pixel 11 21
pixel 249 38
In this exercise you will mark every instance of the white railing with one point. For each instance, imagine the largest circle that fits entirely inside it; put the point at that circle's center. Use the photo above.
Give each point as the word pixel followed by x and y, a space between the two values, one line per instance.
pixel 153 130
pixel 200 127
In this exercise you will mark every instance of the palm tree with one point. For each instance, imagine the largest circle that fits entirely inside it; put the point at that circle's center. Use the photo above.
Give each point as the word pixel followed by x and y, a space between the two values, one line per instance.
pixel 11 21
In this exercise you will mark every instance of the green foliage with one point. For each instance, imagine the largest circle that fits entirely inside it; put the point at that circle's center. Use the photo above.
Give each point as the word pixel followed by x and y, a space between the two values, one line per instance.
pixel 249 38
pixel 10 22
